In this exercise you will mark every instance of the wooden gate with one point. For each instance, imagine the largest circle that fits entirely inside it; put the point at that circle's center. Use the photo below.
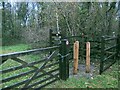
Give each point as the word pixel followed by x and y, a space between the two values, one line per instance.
pixel 109 52
pixel 35 74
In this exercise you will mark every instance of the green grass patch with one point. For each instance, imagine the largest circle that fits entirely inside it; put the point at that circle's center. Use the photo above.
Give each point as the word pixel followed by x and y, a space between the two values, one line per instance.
pixel 13 48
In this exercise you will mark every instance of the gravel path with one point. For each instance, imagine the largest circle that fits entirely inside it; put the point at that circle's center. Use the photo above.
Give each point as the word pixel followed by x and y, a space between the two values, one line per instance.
pixel 94 70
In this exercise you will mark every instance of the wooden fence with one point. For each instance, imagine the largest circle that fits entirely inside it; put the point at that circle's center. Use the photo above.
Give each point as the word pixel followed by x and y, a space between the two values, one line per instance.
pixel 55 64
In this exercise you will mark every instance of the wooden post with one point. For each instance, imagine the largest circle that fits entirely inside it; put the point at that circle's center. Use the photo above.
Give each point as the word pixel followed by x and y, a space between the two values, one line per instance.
pixel 50 39
pixel 87 57
pixel 76 56
pixel 102 54
pixel 118 46
pixel 64 62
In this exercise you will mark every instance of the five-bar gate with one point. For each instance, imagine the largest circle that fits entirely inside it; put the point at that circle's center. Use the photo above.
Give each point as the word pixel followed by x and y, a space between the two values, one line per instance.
pixel 110 47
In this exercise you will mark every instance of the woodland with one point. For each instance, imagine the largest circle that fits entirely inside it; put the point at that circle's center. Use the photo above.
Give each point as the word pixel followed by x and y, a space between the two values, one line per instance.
pixel 29 22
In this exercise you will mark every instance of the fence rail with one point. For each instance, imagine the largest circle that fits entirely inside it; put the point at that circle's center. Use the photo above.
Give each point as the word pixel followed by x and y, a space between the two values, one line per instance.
pixel 22 53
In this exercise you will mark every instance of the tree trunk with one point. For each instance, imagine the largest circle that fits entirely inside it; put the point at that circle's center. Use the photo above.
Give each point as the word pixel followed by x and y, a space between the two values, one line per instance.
pixel 3 16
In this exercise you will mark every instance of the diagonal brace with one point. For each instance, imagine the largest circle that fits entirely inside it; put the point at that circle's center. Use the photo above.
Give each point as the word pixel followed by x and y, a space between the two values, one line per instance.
pixel 40 68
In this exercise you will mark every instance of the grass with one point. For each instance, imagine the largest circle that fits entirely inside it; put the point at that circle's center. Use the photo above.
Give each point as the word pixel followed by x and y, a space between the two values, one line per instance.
pixel 13 48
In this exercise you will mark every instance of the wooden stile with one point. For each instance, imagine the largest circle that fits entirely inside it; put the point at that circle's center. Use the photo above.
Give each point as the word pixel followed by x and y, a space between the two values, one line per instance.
pixel 76 55
pixel 87 57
